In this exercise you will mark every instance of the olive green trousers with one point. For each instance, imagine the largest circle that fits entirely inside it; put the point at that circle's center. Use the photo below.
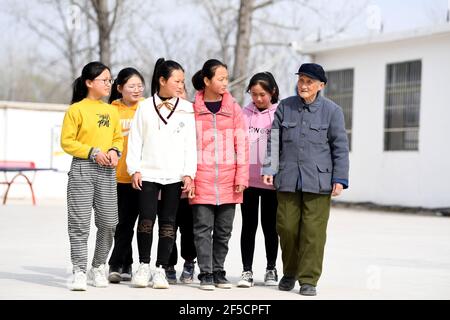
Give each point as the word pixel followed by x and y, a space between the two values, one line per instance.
pixel 302 226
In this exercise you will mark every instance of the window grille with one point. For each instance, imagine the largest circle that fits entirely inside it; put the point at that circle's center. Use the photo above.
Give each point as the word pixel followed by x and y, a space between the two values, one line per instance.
pixel 402 106
pixel 339 88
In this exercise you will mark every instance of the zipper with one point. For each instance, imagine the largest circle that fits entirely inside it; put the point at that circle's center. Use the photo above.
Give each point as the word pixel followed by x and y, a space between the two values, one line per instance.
pixel 216 154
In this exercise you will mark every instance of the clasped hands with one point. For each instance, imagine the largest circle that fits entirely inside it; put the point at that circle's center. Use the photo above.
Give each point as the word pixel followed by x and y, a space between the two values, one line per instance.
pixel 109 159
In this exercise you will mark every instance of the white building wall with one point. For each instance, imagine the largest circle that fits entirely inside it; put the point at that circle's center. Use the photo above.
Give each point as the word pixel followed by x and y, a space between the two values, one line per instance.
pixel 407 178
pixel 27 136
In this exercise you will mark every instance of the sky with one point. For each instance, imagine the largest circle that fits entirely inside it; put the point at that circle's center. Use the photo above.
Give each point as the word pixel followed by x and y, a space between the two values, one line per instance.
pixel 410 14
pixel 396 16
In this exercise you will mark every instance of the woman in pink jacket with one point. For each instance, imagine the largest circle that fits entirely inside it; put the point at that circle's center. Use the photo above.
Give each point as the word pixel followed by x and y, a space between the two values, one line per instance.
pixel 222 171
pixel 259 115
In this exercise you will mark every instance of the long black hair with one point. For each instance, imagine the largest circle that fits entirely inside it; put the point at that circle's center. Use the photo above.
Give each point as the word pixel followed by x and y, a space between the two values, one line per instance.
pixel 163 68
pixel 122 78
pixel 90 71
pixel 208 70
pixel 268 83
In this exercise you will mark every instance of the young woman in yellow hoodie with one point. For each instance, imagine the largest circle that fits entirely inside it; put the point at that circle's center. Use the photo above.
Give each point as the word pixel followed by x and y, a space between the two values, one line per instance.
pixel 91 133
pixel 127 91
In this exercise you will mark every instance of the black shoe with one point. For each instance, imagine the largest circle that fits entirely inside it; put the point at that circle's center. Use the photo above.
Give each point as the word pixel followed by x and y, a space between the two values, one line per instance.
pixel 220 281
pixel 127 273
pixel 187 276
pixel 287 283
pixel 307 290
pixel 114 274
pixel 206 281
pixel 171 274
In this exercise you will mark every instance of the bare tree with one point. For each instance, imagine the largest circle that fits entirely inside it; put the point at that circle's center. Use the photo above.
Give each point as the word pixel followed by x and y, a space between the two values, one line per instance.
pixel 243 43
pixel 78 21
pixel 222 16
pixel 246 19
pixel 65 34
pixel 76 31
pixel 106 14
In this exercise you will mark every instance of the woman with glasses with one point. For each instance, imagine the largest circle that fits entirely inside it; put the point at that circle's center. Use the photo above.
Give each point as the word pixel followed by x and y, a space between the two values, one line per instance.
pixel 91 133
pixel 126 93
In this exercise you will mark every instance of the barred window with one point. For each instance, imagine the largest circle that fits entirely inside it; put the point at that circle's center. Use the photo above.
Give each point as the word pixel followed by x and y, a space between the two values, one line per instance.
pixel 339 88
pixel 402 106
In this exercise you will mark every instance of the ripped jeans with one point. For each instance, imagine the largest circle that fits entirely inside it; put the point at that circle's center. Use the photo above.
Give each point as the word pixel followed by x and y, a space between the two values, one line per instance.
pixel 166 210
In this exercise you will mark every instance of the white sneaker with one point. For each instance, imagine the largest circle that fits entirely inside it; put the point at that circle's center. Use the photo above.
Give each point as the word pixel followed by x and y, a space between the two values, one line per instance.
pixel 142 276
pixel 159 279
pixel 246 280
pixel 97 277
pixel 78 282
pixel 271 277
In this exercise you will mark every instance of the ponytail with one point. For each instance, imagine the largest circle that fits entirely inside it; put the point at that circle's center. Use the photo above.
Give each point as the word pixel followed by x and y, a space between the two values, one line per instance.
pixel 197 81
pixel 115 94
pixel 80 90
pixel 156 75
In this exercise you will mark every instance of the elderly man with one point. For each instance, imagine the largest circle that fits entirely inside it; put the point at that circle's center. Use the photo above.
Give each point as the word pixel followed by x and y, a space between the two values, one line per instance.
pixel 307 162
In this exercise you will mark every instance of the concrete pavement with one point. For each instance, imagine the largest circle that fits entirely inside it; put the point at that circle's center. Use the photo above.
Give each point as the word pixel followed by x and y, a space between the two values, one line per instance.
pixel 369 255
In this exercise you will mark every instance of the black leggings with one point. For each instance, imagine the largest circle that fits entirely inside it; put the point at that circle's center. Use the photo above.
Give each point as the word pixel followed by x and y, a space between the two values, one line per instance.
pixel 185 223
pixel 128 205
pixel 148 208
pixel 249 210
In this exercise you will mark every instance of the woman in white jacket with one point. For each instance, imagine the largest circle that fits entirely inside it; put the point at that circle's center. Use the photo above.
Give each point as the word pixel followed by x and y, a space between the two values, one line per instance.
pixel 162 157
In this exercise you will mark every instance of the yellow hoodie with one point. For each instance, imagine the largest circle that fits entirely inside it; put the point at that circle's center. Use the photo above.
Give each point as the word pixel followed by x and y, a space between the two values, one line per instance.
pixel 126 115
pixel 90 124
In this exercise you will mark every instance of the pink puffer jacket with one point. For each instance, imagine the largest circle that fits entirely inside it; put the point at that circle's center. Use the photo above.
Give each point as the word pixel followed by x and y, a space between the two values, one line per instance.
pixel 222 152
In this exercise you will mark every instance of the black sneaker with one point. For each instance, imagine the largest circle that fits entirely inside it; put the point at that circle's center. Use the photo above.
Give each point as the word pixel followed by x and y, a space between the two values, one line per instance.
pixel 287 283
pixel 171 274
pixel 307 290
pixel 187 276
pixel 127 273
pixel 206 281
pixel 114 275
pixel 220 281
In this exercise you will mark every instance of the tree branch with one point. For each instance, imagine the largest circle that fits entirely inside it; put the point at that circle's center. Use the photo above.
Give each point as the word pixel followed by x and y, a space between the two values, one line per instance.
pixel 273 44
pixel 115 14
pixel 276 25
pixel 263 4
pixel 86 10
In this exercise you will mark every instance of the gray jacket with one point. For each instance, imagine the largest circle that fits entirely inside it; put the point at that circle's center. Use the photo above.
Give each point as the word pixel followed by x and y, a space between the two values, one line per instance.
pixel 308 147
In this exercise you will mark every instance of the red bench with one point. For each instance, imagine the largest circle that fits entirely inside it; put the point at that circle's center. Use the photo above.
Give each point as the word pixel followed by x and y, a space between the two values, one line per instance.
pixel 20 167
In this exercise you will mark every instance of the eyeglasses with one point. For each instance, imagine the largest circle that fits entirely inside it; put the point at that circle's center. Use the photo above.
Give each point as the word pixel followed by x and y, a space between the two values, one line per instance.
pixel 105 81
pixel 139 88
